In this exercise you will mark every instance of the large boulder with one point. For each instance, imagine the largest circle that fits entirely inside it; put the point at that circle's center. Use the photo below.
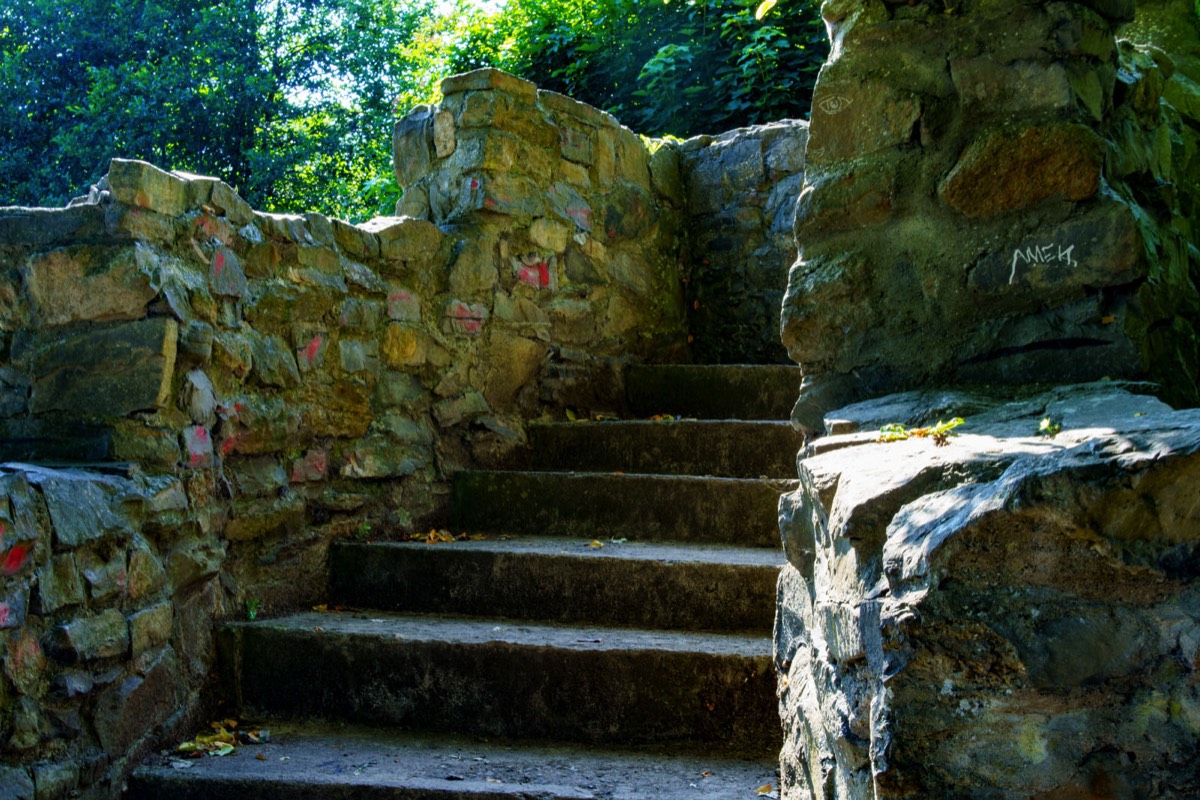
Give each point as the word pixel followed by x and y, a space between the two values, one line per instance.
pixel 1014 614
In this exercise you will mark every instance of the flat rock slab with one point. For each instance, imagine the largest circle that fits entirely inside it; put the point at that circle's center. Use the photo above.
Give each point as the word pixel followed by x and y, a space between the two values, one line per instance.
pixel 334 763
pixel 731 448
pixel 696 587
pixel 593 684
pixel 605 505
pixel 725 391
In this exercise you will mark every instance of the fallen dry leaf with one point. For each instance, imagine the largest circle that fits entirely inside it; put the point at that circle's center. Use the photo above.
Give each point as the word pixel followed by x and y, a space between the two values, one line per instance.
pixel 595 544
pixel 764 789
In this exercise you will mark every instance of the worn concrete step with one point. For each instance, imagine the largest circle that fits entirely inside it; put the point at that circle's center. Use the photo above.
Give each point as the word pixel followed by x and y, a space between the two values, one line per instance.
pixel 306 762
pixel 732 448
pixel 713 391
pixel 594 505
pixel 487 677
pixel 635 584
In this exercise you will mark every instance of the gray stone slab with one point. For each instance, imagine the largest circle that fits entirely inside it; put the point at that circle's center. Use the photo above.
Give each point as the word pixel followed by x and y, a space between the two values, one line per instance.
pixel 336 763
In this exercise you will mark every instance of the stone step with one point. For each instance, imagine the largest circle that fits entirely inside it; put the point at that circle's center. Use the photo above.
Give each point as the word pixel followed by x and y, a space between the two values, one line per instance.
pixel 732 448
pixel 713 391
pixel 308 762
pixel 594 505
pixel 486 677
pixel 635 584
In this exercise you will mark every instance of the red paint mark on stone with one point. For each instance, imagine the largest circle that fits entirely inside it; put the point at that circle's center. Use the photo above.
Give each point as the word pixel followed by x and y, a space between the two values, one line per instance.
pixel 228 444
pixel 6 615
pixel 474 183
pixel 490 203
pixel 612 232
pixel 15 559
pixel 581 216
pixel 312 349
pixel 466 319
pixel 219 264
pixel 311 467
pixel 537 275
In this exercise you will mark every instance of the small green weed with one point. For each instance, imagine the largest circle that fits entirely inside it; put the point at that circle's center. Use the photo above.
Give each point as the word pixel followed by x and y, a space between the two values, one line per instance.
pixel 940 433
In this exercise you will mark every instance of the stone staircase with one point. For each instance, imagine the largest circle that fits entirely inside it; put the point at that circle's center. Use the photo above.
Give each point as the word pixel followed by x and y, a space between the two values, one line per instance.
pixel 609 637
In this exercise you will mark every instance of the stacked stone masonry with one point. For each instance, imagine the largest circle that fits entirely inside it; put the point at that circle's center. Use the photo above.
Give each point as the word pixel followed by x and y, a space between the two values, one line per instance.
pixel 197 397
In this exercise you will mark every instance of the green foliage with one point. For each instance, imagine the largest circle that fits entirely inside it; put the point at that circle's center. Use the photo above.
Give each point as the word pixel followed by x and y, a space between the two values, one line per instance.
pixel 939 433
pixel 674 67
pixel 292 101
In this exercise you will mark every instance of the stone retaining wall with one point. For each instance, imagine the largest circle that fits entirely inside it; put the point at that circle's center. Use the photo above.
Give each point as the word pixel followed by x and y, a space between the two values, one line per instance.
pixel 212 394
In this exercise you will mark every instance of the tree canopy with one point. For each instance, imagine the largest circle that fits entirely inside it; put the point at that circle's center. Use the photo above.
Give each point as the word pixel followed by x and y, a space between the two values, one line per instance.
pixel 292 101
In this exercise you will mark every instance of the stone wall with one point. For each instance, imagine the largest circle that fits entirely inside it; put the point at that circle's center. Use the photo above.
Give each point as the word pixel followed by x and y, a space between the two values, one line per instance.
pixel 998 193
pixel 740 190
pixel 504 162
pixel 247 387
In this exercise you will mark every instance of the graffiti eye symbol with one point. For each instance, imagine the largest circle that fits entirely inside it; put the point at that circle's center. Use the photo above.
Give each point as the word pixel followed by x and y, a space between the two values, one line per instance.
pixel 834 104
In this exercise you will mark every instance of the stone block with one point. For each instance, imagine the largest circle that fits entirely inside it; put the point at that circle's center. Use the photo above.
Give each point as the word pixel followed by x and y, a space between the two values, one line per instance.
pixel 399 390
pixel 146 573
pixel 549 235
pixel 14 605
pixel 131 709
pixel 356 356
pixel 55 780
pixel 59 585
pixel 225 275
pixel 25 663
pixel 274 364
pixel 403 346
pixel 513 362
pixel 562 105
pixel 474 269
pixel 93 284
pixel 104 635
pixel 105 579
pixel 403 305
pixel 153 449
pixel 197 447
pixel 114 371
pixel 1003 171
pixel 354 241
pixel 84 507
pixel 192 561
pixel 359 314
pixel 50 227
pixel 224 199
pixel 150 628
pixel 454 410
pixel 312 466
pixel 486 79
pixel 320 258
pixel 464 319
pixel 412 146
pixel 568 204
pixel 15 783
pixel 665 173
pixel 405 238
pixel 257 477
pixel 444 135
pixel 255 518
pixel 137 183
pixel 380 457
pixel 259 425
pixel 858 118
pixel 341 408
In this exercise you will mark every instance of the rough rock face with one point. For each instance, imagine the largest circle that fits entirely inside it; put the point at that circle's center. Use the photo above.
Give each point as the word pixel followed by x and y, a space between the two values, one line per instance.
pixel 741 189
pixel 1010 615
pixel 998 193
pixel 532 176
